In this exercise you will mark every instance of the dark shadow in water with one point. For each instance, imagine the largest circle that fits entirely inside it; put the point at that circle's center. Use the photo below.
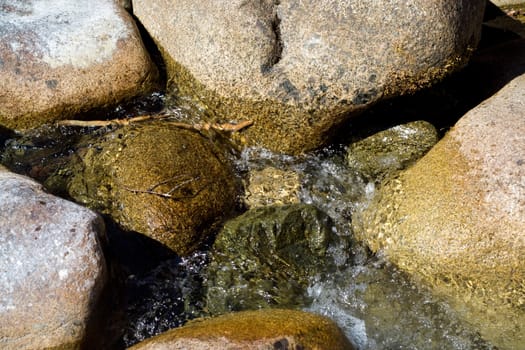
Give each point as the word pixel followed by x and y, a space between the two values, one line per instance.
pixel 151 290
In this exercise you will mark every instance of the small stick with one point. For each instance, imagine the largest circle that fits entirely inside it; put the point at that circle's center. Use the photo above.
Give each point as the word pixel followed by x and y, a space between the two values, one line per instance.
pixel 229 127
pixel 168 194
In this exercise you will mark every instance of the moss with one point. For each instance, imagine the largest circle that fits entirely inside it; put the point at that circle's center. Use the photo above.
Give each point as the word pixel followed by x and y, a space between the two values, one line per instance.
pixel 265 257
pixel 171 184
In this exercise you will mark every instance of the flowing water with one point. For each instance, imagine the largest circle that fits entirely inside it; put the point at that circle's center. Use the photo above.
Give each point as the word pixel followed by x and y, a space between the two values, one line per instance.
pixel 377 306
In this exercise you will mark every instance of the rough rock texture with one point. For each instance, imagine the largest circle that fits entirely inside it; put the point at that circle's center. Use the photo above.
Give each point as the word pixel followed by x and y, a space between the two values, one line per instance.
pixel 391 150
pixel 506 2
pixel 171 184
pixel 272 186
pixel 265 257
pixel 457 217
pixel 298 68
pixel 263 329
pixel 52 267
pixel 59 58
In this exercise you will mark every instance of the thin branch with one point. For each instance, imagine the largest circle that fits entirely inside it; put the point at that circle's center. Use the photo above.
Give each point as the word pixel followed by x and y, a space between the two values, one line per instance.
pixel 229 127
pixel 168 194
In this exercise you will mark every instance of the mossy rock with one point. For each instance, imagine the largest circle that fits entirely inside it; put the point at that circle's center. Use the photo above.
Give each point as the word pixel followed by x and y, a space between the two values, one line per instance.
pixel 266 257
pixel 263 329
pixel 171 184
pixel 388 151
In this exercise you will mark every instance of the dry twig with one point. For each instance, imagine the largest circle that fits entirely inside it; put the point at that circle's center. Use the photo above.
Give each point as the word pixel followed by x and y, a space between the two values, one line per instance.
pixel 230 127
pixel 169 194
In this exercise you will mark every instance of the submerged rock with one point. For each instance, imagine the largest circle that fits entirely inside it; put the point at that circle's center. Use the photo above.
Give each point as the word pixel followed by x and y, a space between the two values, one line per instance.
pixel 171 184
pixel 52 267
pixel 299 68
pixel 266 257
pixel 263 329
pixel 59 58
pixel 272 186
pixel 456 218
pixel 391 150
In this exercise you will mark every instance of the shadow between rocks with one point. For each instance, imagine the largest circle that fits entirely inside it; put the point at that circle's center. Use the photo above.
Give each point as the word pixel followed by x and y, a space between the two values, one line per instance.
pixel 500 58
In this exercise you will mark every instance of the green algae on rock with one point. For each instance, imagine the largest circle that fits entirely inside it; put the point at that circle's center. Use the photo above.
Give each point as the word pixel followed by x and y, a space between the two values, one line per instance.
pixel 382 154
pixel 266 257
pixel 171 184
pixel 262 329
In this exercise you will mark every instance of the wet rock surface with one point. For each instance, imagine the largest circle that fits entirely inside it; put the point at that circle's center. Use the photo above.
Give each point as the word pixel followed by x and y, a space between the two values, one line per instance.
pixel 60 58
pixel 299 68
pixel 266 257
pixel 263 329
pixel 169 183
pixel 457 217
pixel 53 268
pixel 377 305
pixel 388 151
pixel 272 186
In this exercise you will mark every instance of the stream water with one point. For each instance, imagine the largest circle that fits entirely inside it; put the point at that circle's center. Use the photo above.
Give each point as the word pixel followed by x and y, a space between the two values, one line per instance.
pixel 377 306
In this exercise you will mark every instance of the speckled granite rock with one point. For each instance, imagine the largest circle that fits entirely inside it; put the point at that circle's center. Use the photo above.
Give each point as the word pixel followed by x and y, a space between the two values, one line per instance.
pixel 52 267
pixel 298 68
pixel 456 218
pixel 272 186
pixel 59 58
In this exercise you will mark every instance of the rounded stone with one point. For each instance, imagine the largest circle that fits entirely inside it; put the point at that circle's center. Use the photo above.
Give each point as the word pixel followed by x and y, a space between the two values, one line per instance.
pixel 263 329
pixel 61 58
pixel 299 68
pixel 456 219
pixel 52 267
pixel 169 183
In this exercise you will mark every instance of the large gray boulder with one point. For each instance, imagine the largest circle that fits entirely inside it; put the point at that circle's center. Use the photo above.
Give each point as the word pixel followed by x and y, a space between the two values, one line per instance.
pixel 298 68
pixel 59 58
pixel 52 269
pixel 456 219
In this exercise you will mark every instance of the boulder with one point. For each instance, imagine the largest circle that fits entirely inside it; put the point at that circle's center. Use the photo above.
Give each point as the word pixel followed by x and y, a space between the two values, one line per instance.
pixel 263 329
pixel 53 268
pixel 456 219
pixel 60 58
pixel 171 184
pixel 299 68
pixel 266 257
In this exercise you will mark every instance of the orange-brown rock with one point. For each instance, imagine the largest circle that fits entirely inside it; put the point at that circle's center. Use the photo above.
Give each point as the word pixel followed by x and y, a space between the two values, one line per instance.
pixel 262 329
